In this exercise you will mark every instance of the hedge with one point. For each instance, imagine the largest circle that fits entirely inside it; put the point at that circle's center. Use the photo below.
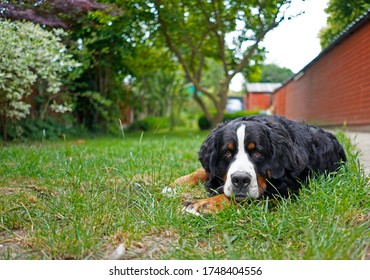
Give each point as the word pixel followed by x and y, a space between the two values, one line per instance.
pixel 151 123
pixel 204 124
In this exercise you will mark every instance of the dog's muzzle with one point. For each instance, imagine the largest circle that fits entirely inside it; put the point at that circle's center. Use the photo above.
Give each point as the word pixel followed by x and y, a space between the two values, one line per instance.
pixel 241 182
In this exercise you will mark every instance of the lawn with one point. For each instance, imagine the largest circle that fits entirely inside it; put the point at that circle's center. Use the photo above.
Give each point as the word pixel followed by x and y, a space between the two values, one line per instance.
pixel 102 198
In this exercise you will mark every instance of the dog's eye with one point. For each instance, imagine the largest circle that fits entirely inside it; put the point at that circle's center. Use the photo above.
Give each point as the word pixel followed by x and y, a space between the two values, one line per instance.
pixel 256 154
pixel 228 154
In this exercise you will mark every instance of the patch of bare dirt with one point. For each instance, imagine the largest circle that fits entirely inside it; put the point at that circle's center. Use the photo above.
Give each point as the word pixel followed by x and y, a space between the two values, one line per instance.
pixel 15 246
pixel 17 185
pixel 150 247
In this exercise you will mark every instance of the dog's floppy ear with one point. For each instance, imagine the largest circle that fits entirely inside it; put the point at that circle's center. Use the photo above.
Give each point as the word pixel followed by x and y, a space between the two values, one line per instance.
pixel 285 158
pixel 209 150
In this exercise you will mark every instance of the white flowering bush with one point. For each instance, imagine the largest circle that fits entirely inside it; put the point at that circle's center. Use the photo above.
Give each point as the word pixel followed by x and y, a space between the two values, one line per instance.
pixel 29 55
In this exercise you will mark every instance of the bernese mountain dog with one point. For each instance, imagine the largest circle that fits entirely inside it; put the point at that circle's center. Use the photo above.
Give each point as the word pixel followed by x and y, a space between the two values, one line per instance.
pixel 259 156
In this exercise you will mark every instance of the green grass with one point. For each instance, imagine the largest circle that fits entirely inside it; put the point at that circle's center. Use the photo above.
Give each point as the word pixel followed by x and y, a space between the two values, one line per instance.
pixel 64 201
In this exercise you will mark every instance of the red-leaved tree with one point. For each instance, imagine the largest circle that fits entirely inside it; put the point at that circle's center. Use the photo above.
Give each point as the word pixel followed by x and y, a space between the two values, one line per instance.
pixel 53 13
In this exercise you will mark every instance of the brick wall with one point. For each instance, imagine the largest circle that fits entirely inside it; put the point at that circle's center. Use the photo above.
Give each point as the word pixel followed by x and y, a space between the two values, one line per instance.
pixel 334 89
pixel 258 101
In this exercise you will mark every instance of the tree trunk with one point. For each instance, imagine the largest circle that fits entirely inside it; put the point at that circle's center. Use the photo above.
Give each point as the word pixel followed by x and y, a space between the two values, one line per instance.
pixel 4 128
pixel 218 118
pixel 221 105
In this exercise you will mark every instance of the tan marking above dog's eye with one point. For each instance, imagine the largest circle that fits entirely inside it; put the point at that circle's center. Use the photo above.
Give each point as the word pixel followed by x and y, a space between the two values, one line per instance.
pixel 251 146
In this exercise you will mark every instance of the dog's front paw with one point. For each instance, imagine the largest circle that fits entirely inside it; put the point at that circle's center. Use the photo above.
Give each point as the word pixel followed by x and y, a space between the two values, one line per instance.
pixel 208 205
pixel 192 208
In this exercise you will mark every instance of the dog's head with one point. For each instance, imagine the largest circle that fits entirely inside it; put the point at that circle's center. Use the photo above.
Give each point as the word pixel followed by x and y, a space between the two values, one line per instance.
pixel 241 156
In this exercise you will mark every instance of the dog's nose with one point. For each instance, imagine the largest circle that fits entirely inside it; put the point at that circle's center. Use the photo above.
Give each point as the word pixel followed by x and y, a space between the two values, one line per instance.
pixel 241 180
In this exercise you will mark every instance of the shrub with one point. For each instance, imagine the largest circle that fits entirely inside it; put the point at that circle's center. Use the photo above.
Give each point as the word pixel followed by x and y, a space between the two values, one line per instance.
pixel 151 123
pixel 235 115
pixel 31 56
pixel 204 124
pixel 38 129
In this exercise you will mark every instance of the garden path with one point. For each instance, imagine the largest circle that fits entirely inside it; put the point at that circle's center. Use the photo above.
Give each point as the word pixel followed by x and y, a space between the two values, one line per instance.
pixel 362 142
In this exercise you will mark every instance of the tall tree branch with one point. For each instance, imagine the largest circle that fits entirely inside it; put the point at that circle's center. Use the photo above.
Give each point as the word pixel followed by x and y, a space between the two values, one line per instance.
pixel 259 37
pixel 180 57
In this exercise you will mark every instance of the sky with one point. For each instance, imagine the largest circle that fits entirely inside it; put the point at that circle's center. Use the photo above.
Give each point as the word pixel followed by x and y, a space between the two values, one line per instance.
pixel 294 43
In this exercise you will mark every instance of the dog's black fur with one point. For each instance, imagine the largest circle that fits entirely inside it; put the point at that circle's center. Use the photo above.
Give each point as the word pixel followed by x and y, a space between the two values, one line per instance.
pixel 288 151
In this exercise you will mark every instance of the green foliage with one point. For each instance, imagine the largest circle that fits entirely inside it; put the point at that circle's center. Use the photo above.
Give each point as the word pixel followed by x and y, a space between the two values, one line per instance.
pixel 123 63
pixel 204 124
pixel 213 73
pixel 341 14
pixel 30 56
pixel 156 90
pixel 126 56
pixel 34 63
pixel 272 73
pixel 253 72
pixel 91 108
pixel 196 32
pixel 269 73
pixel 38 129
pixel 235 115
pixel 151 123
pixel 103 49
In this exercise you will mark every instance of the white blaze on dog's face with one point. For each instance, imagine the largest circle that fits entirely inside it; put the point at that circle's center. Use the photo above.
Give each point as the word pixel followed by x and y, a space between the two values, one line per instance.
pixel 241 178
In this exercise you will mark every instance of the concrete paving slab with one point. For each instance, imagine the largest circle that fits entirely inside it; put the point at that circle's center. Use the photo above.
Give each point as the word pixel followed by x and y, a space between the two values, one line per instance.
pixel 362 142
